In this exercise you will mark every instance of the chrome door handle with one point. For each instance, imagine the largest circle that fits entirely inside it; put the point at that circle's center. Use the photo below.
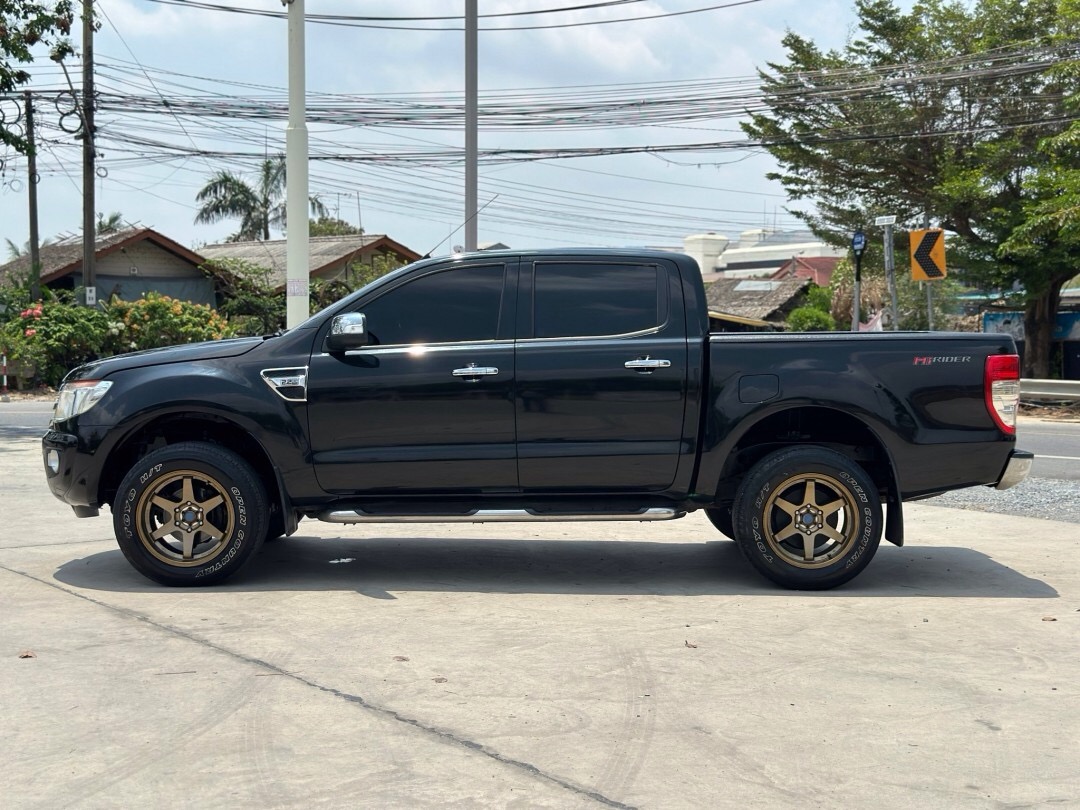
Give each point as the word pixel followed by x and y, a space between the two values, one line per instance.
pixel 473 370
pixel 647 364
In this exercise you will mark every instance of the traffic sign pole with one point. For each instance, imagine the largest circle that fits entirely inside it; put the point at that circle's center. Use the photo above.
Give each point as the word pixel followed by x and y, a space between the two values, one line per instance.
pixel 858 245
pixel 890 268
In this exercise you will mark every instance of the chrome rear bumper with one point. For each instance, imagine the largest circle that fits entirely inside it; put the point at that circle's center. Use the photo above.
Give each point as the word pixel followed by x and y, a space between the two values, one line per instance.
pixel 1016 470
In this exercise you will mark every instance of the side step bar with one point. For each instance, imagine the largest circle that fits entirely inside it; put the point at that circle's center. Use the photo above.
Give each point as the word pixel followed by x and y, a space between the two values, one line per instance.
pixel 495 516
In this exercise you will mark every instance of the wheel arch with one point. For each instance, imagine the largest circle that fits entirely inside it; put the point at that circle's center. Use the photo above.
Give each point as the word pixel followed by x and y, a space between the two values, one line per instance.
pixel 172 428
pixel 815 425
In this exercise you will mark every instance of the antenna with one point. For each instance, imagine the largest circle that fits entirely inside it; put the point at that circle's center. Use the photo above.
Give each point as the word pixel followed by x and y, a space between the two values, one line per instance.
pixel 459 227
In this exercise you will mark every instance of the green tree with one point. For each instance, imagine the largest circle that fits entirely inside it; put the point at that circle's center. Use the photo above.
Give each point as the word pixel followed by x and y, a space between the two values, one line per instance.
pixel 258 206
pixel 938 114
pixel 24 25
pixel 331 226
pixel 109 224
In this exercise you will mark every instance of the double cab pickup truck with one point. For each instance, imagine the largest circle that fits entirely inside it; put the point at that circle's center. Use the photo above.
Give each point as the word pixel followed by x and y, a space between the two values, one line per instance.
pixel 548 385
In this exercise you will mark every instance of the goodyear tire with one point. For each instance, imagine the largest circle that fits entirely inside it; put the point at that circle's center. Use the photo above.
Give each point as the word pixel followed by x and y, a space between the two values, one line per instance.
pixel 191 513
pixel 808 518
pixel 720 517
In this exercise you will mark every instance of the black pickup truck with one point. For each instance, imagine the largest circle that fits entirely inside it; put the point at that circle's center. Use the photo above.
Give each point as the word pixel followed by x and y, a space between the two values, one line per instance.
pixel 534 385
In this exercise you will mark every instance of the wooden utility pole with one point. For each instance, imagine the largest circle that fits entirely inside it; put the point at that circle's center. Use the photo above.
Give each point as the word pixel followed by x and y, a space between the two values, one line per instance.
pixel 89 225
pixel 32 181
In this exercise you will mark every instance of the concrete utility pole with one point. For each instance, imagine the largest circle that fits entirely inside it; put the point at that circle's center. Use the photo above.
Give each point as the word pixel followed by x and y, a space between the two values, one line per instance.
pixel 297 275
pixel 890 268
pixel 471 108
pixel 88 153
pixel 32 181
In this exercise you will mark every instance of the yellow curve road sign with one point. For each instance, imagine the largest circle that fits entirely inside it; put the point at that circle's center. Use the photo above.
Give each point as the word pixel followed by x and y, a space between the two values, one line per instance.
pixel 928 255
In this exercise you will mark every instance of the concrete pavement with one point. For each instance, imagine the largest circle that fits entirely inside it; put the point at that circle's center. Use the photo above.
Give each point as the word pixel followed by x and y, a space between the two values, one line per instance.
pixel 537 665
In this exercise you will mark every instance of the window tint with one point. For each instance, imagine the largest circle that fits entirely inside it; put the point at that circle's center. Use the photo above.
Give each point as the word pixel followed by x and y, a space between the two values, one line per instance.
pixel 573 300
pixel 456 305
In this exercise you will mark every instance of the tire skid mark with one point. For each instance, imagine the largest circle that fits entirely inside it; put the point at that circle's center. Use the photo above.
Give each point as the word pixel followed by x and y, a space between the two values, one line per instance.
pixel 636 728
pixel 441 735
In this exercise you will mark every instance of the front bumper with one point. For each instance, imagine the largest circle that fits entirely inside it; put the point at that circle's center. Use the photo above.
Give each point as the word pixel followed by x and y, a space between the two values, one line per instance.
pixel 70 472
pixel 1016 470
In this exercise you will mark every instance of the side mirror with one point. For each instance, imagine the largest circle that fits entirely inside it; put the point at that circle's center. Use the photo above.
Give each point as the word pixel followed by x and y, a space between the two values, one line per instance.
pixel 347 331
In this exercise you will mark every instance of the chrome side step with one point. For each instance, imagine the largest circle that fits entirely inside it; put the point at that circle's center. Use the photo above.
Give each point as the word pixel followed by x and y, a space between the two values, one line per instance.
pixel 496 516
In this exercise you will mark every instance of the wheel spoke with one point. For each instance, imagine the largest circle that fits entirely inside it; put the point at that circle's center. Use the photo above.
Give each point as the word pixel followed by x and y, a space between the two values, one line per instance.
pixel 786 506
pixel 164 503
pixel 189 544
pixel 808 547
pixel 187 492
pixel 216 501
pixel 832 534
pixel 786 533
pixel 810 496
pixel 832 507
pixel 164 530
pixel 212 530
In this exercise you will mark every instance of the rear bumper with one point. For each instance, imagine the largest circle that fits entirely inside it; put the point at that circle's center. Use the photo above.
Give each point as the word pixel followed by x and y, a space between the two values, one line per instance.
pixel 1016 470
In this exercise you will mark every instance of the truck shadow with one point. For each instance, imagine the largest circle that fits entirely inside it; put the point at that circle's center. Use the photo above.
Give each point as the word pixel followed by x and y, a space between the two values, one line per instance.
pixel 382 567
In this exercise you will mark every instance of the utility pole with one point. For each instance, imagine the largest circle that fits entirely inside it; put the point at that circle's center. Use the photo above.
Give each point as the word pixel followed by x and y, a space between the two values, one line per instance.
pixel 88 153
pixel 890 268
pixel 32 180
pixel 297 273
pixel 471 105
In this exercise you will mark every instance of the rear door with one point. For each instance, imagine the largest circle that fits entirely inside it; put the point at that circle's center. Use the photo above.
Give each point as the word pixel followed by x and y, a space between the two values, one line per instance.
pixel 601 375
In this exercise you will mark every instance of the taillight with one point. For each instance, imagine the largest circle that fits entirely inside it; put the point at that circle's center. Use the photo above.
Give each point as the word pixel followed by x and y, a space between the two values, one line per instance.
pixel 1001 387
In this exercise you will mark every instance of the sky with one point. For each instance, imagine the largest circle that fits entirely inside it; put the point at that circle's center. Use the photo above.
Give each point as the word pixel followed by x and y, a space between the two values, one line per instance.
pixel 148 52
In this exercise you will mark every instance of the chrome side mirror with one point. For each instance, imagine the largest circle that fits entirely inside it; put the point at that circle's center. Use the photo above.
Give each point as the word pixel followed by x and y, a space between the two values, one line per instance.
pixel 347 331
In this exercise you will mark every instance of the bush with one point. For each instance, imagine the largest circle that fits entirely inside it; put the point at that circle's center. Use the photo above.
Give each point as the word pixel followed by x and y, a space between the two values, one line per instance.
pixel 156 320
pixel 53 335
pixel 810 319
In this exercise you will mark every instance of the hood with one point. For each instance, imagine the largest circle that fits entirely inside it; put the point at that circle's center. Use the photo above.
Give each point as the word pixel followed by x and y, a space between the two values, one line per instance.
pixel 210 350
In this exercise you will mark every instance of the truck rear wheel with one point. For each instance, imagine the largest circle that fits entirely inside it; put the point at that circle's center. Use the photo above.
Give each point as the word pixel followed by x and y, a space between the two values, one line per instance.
pixel 808 518
pixel 190 514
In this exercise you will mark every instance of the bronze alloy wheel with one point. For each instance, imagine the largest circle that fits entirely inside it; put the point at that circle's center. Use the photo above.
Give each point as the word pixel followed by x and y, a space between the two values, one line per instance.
pixel 808 517
pixel 190 513
pixel 185 519
pixel 810 520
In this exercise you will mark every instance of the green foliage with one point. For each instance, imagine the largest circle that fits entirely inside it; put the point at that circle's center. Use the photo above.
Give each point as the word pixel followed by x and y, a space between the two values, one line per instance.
pixel 247 295
pixel 922 114
pixel 330 226
pixel 52 335
pixel 48 337
pixel 819 298
pixel 810 319
pixel 874 294
pixel 25 25
pixel 258 207
pixel 157 320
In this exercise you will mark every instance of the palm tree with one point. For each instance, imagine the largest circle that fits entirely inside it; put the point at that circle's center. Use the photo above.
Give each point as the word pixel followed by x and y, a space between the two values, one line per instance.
pixel 14 251
pixel 227 196
pixel 109 224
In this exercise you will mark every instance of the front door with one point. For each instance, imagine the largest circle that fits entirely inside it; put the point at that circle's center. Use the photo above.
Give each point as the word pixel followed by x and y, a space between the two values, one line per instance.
pixel 428 405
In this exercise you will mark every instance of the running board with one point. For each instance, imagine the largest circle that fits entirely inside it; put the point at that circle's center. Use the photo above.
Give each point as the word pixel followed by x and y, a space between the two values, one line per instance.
pixel 496 516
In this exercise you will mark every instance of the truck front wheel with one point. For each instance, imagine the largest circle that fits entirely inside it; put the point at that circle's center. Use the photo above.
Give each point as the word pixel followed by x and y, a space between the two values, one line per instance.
pixel 191 513
pixel 808 518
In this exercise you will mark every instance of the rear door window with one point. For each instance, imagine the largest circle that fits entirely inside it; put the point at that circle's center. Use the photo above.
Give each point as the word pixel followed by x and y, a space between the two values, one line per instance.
pixel 591 300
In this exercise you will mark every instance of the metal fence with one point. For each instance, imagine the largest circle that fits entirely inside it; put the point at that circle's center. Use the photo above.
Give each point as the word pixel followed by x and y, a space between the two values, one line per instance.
pixel 1050 390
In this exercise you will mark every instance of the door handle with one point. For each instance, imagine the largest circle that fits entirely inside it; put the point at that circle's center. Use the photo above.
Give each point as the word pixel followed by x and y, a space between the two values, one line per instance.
pixel 647 365
pixel 473 370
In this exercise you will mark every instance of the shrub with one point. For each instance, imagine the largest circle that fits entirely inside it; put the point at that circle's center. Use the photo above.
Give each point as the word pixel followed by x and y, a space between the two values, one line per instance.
pixel 156 320
pixel 53 335
pixel 810 319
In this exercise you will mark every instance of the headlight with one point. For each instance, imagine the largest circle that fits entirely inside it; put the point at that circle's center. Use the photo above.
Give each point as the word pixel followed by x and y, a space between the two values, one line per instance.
pixel 79 397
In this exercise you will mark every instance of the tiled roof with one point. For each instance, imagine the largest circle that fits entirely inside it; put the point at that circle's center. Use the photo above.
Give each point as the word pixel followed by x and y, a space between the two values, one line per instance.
pixel 324 252
pixel 766 299
pixel 64 257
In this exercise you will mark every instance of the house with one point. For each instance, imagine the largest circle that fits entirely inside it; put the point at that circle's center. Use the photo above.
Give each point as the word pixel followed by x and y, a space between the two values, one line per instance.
pixel 818 269
pixel 127 263
pixel 760 299
pixel 330 258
